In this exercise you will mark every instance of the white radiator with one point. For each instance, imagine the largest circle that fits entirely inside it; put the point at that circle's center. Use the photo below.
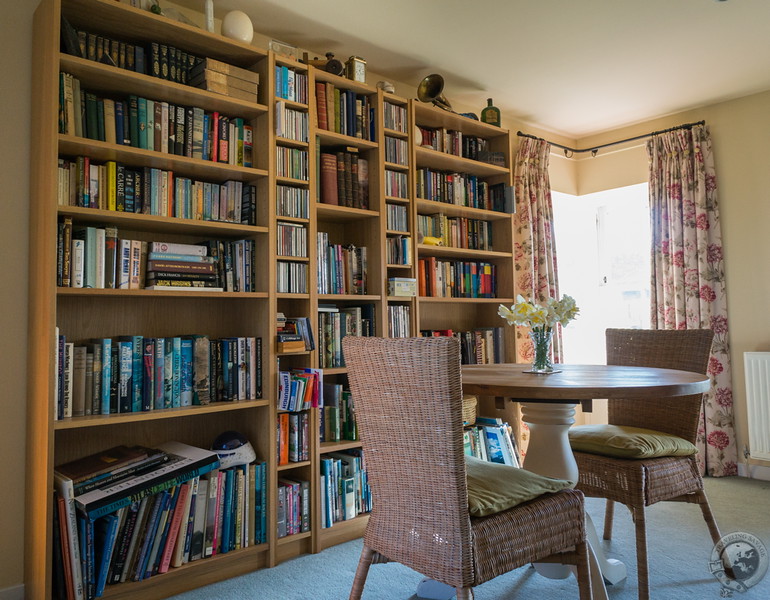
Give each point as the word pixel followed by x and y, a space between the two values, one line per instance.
pixel 757 366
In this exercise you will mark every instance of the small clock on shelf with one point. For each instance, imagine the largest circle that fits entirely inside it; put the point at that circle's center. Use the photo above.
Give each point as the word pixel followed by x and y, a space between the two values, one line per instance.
pixel 355 69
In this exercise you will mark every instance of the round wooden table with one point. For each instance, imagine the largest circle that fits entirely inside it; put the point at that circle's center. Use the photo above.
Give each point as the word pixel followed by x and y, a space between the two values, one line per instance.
pixel 548 407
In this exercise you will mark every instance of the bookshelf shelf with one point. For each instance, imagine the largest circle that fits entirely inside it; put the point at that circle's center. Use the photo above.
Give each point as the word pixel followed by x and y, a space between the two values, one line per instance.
pixel 431 207
pixel 343 82
pixel 428 157
pixel 449 251
pixel 112 293
pixel 395 133
pixel 292 182
pixel 98 77
pixel 397 200
pixel 343 213
pixel 293 465
pixel 124 21
pixel 288 539
pixel 396 167
pixel 439 300
pixel 332 138
pixel 180 165
pixel 338 446
pixel 153 223
pixel 153 415
pixel 291 143
pixel 346 297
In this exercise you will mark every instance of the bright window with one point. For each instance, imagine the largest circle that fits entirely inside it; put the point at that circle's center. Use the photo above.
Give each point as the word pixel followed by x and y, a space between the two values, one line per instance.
pixel 603 254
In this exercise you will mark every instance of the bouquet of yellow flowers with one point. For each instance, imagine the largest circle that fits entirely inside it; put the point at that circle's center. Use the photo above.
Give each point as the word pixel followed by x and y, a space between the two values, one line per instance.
pixel 541 320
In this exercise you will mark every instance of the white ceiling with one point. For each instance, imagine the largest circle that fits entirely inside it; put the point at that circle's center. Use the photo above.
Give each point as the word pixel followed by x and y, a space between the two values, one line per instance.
pixel 575 67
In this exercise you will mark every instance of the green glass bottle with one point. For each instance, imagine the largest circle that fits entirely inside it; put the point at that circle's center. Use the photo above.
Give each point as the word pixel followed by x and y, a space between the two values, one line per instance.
pixel 490 114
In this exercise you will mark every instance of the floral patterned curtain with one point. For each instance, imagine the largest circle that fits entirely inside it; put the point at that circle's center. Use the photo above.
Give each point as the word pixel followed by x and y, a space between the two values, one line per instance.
pixel 535 275
pixel 688 275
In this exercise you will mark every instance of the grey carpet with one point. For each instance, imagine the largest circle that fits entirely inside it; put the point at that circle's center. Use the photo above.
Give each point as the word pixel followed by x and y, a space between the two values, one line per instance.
pixel 677 537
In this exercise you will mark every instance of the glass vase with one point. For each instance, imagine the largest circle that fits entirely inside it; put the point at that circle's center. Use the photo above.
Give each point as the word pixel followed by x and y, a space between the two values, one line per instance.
pixel 541 345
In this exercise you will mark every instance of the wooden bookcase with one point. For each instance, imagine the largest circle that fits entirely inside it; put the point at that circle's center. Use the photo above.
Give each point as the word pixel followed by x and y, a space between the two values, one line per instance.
pixel 459 313
pixel 85 314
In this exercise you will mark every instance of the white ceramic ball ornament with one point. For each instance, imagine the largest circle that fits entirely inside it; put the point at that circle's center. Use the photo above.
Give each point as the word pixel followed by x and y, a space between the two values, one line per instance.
pixel 237 26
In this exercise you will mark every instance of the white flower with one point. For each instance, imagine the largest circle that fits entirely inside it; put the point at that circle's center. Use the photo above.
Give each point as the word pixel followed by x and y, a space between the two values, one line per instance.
pixel 528 314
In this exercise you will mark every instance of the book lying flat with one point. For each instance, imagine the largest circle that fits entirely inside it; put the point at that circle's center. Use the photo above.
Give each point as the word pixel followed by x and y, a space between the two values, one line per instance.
pixel 185 462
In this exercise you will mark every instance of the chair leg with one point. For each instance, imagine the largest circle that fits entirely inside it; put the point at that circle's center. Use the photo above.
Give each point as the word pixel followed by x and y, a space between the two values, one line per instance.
pixel 361 572
pixel 708 516
pixel 641 554
pixel 609 511
pixel 583 574
pixel 465 593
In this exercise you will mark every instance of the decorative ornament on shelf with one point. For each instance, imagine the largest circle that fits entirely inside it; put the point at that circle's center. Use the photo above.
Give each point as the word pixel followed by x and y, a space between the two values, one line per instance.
pixel 208 12
pixel 237 26
pixel 386 87
pixel 355 69
pixel 541 320
pixel 490 114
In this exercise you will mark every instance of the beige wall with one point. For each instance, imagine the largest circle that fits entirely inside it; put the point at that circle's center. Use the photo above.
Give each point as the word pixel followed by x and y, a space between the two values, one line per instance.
pixel 739 131
pixel 15 66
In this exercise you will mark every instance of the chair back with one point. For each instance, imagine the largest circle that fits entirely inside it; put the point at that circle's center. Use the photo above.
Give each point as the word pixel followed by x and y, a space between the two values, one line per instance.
pixel 681 349
pixel 407 397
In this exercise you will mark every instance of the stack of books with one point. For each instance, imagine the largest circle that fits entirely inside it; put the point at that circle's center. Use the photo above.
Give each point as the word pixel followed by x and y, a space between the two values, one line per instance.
pixel 183 266
pixel 222 78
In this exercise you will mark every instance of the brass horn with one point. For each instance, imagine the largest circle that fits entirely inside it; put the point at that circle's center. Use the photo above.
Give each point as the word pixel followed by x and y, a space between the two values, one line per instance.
pixel 430 89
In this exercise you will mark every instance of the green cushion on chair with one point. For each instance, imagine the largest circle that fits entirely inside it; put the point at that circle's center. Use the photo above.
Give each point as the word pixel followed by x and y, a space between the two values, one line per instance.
pixel 627 442
pixel 493 487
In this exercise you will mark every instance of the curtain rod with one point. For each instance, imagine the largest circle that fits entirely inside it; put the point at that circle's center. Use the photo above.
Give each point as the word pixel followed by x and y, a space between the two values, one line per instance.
pixel 593 150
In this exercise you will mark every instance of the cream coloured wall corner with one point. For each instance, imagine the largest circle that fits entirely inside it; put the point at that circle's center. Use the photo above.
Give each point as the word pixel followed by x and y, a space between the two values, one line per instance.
pixel 739 131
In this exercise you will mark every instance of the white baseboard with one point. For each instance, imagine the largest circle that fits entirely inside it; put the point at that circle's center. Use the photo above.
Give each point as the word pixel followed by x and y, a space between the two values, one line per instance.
pixel 754 471
pixel 12 593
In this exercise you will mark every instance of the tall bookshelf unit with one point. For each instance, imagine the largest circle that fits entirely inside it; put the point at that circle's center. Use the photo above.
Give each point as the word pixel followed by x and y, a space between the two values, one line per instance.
pixel 453 312
pixel 388 221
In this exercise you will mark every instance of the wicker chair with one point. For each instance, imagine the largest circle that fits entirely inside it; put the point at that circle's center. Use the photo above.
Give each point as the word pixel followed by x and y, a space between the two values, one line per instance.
pixel 638 483
pixel 408 399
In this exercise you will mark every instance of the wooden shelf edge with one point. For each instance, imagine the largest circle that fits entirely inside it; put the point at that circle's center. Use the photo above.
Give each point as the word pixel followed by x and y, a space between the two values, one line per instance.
pixel 153 415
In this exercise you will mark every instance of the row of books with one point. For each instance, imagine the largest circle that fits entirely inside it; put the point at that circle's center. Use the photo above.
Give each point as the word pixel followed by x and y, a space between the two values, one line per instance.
pixel 456 278
pixel 136 373
pixel 460 189
pixel 291 239
pixel 292 163
pixel 398 250
pixel 491 439
pixel 292 202
pixel 168 524
pixel 396 151
pixel 290 123
pixel 97 257
pixel 484 345
pixel 154 125
pixel 396 184
pixel 399 320
pixel 293 511
pixel 344 178
pixel 397 217
pixel 345 491
pixel 341 269
pixel 98 538
pixel 114 186
pixel 293 439
pixel 291 277
pixel 335 323
pixel 156 59
pixel 453 142
pixel 337 414
pixel 300 389
pixel 457 232
pixel 291 85
pixel 344 111
pixel 395 117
